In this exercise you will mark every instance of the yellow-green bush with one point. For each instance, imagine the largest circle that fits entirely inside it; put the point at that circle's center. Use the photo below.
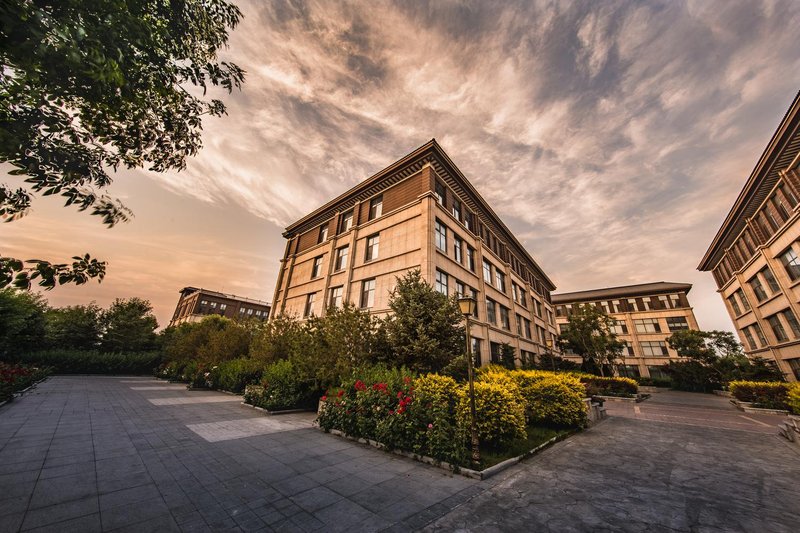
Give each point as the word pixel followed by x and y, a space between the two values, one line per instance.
pixel 502 377
pixel 765 394
pixel 556 400
pixel 436 388
pixel 793 398
pixel 609 386
pixel 500 413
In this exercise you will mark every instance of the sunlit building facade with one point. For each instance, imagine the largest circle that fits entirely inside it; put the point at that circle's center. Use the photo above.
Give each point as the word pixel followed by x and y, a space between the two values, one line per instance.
pixel 754 255
pixel 418 213
pixel 195 304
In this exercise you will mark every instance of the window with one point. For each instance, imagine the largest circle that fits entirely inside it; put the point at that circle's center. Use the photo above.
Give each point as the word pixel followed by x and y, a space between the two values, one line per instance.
pixel 316 269
pixel 468 222
pixel 309 309
pixel 501 280
pixel 519 324
pixel 527 324
pixel 491 311
pixel 751 343
pixel 792 321
pixel 487 272
pixel 677 323
pixel 628 349
pixel 788 194
pixel 347 221
pixel 537 308
pixel 761 338
pixel 777 328
pixel 758 289
pixel 497 352
pixel 438 190
pixel 631 305
pixel 791 263
pixel 341 257
pixel 770 279
pixel 518 294
pixel 549 316
pixel 504 320
pixel 618 327
pixel 471 259
pixel 457 209
pixel 213 305
pixel 335 299
pixel 647 325
pixel 249 311
pixel 734 305
pixel 223 307
pixel 740 295
pixel 458 253
pixel 242 310
pixel 323 233
pixel 258 313
pixel 616 306
pixel 475 297
pixel 476 351
pixel 441 282
pixel 376 207
pixel 675 301
pixel 371 252
pixel 654 348
pixel 541 334
pixel 441 236
pixel 368 293
pixel 461 289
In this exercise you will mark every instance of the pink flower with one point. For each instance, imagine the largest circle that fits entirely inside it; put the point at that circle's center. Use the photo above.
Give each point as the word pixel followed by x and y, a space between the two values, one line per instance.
pixel 430 426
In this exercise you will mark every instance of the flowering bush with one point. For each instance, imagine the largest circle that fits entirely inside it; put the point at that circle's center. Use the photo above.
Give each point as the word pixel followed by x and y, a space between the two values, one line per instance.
pixel 556 400
pixel 764 394
pixel 793 398
pixel 15 378
pixel 499 410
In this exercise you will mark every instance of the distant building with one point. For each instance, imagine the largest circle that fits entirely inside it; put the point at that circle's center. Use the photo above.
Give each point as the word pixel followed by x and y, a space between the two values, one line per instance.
pixel 195 304
pixel 645 315
pixel 754 256
pixel 419 212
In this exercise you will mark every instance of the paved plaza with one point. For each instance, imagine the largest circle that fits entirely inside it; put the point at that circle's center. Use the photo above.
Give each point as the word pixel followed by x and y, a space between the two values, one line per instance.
pixel 137 454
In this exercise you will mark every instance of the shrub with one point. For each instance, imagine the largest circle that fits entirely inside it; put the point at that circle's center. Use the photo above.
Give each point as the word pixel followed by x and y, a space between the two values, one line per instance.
pixel 763 394
pixel 653 382
pixel 500 413
pixel 234 375
pixel 556 400
pixel 610 386
pixel 793 398
pixel 284 388
pixel 93 362
pixel 14 378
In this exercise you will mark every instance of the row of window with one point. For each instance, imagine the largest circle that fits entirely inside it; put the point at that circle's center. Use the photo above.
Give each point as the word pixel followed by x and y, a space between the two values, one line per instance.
pixel 628 305
pixel 345 222
pixel 763 283
pixel 335 295
pixel 342 254
pixel 214 307
pixel 778 323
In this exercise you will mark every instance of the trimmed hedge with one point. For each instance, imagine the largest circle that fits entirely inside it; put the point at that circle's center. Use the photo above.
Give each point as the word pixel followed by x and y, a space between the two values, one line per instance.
pixel 93 362
pixel 280 388
pixel 763 394
pixel 611 386
pixel 793 398
pixel 500 413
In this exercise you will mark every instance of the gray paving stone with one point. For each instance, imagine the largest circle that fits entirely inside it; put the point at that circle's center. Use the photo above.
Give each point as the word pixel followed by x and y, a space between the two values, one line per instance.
pixel 84 524
pixel 61 512
pixel 134 513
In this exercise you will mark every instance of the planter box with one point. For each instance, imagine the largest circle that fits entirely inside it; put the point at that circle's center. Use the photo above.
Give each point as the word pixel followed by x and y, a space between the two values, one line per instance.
pixel 638 398
pixel 272 413
pixel 765 411
pixel 651 390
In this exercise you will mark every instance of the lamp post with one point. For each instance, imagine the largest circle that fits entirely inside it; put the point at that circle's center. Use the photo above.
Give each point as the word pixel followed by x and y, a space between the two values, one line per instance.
pixel 467 306
pixel 549 343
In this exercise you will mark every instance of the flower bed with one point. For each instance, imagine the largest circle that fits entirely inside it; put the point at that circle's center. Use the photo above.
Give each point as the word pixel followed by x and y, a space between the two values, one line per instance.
pixel 14 378
pixel 762 394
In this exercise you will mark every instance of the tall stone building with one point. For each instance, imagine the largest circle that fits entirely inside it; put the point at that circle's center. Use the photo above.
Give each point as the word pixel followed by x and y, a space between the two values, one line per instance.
pixel 754 255
pixel 644 316
pixel 419 212
pixel 195 304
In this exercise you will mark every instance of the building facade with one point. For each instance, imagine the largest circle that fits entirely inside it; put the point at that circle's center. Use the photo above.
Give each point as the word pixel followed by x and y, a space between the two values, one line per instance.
pixel 754 255
pixel 195 304
pixel 418 213
pixel 644 316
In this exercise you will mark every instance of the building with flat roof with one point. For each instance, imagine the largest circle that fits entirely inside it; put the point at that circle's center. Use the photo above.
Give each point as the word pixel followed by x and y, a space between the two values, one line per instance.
pixel 195 304
pixel 645 315
pixel 422 213
pixel 754 255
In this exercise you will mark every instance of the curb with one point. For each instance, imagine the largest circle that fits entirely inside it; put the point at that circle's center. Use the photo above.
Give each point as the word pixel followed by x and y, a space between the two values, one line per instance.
pixel 275 413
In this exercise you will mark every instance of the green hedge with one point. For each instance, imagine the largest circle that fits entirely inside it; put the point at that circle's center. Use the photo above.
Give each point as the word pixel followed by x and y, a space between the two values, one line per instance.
pixel 763 394
pixel 93 362
pixel 281 387
pixel 596 385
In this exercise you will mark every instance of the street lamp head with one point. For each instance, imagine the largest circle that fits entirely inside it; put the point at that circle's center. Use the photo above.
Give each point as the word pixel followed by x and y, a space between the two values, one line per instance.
pixel 467 305
pixel 549 343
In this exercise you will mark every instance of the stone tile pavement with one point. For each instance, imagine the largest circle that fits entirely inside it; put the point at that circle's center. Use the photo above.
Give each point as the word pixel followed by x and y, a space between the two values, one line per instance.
pixel 134 454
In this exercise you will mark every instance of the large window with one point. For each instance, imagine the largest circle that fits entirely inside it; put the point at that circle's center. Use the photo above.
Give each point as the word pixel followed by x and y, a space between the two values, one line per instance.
pixel 341 257
pixel 373 242
pixel 500 278
pixel 458 249
pixel 647 325
pixel 335 299
pixel 748 335
pixel 758 289
pixel 457 209
pixel 487 272
pixel 441 236
pixel 376 207
pixel 441 282
pixel 438 190
pixel 677 323
pixel 618 327
pixel 316 269
pixel 347 221
pixel 777 328
pixel 791 263
pixel 537 308
pixel 309 309
pixel 491 311
pixel 792 321
pixel 743 299
pixel 470 258
pixel 761 338
pixel 504 320
pixel 474 297
pixel 368 293
pixel 527 326
pixel 770 279
pixel 654 348
pixel 734 305
pixel 519 294
pixel 476 351
pixel 323 233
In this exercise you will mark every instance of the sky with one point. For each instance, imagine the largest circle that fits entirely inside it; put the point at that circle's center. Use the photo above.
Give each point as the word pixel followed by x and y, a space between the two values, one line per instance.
pixel 612 137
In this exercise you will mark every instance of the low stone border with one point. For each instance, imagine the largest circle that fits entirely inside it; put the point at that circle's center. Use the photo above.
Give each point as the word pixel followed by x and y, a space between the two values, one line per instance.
pixel 275 413
pixel 765 411
pixel 19 393
pixel 638 398
pixel 725 393
pixel 466 472
pixel 652 390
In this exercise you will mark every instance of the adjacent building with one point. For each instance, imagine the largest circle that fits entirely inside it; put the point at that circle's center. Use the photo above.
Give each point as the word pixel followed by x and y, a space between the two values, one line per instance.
pixel 644 316
pixel 195 304
pixel 754 255
pixel 418 213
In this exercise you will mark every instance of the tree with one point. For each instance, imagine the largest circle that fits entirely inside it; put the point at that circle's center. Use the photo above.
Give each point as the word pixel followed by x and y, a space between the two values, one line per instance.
pixel 89 87
pixel 22 322
pixel 588 335
pixel 75 327
pixel 508 356
pixel 129 326
pixel 274 339
pixel 424 330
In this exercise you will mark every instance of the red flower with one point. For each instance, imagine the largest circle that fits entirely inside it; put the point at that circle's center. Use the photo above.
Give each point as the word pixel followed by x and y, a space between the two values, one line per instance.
pixel 360 385
pixel 340 394
pixel 324 398
pixel 399 394
pixel 406 380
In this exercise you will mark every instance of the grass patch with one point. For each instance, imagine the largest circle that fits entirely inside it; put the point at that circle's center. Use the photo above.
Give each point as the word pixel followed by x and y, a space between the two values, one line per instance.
pixel 536 435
